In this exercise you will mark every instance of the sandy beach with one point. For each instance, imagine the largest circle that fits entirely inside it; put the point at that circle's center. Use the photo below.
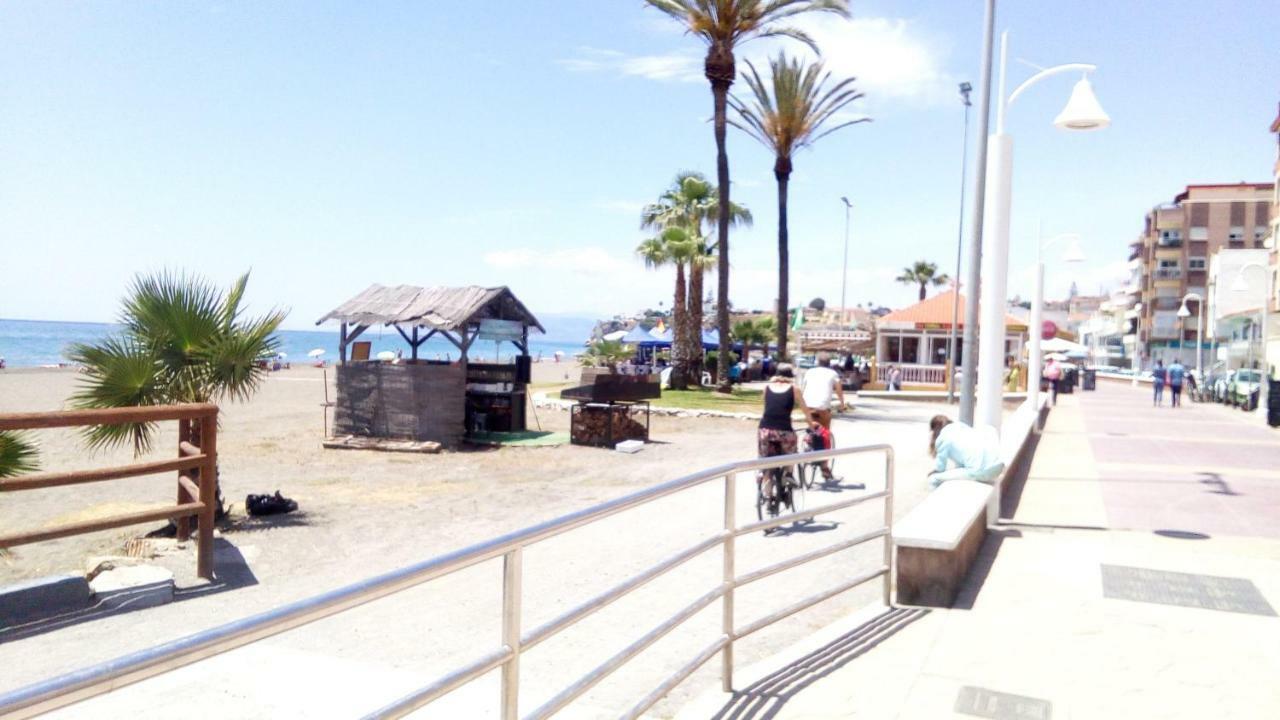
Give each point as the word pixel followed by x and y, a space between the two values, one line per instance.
pixel 364 512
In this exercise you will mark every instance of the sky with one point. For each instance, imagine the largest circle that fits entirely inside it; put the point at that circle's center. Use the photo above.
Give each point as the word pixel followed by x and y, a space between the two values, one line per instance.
pixel 328 146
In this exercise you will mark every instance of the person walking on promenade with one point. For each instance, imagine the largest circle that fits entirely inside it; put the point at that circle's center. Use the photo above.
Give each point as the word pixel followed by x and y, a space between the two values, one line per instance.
pixel 975 452
pixel 1176 375
pixel 895 379
pixel 1053 373
pixel 820 386
pixel 1157 382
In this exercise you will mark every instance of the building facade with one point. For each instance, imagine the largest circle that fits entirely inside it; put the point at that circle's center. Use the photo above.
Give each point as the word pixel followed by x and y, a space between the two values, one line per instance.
pixel 1170 260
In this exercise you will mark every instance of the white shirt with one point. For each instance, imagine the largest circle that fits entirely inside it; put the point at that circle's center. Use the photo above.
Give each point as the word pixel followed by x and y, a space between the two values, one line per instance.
pixel 819 386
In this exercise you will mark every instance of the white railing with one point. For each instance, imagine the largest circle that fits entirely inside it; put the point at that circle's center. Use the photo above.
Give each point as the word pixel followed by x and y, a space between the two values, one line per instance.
pixel 111 675
pixel 923 374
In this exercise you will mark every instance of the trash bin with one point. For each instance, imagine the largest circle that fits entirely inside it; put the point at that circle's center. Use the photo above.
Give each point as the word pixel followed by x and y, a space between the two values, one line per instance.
pixel 1067 384
pixel 1090 380
pixel 1273 403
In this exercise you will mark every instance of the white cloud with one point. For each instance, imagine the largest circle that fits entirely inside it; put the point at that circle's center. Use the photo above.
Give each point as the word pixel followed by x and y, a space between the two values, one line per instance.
pixel 581 260
pixel 890 57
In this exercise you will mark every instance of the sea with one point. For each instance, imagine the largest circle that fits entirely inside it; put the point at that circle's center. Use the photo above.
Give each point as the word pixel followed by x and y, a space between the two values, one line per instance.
pixel 38 343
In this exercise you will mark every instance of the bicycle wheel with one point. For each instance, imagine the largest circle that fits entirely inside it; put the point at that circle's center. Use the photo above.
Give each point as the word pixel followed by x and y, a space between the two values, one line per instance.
pixel 807 473
pixel 795 492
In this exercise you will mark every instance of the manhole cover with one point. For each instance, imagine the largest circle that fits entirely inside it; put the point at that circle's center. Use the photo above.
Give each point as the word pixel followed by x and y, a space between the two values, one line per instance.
pixel 981 702
pixel 1162 587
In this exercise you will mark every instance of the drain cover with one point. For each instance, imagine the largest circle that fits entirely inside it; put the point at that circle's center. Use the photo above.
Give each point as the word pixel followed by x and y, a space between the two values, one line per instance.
pixel 1208 592
pixel 981 702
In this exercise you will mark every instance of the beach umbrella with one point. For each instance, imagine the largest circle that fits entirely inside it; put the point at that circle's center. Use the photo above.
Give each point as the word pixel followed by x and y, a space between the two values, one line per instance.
pixel 282 355
pixel 559 353
pixel 386 355
pixel 316 353
pixel 1056 356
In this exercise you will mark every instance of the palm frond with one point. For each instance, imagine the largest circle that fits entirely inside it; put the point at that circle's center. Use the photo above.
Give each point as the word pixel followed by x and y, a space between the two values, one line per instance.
pixel 18 454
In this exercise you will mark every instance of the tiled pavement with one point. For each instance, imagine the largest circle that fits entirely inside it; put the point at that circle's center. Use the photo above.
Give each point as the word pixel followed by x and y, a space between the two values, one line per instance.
pixel 1138 577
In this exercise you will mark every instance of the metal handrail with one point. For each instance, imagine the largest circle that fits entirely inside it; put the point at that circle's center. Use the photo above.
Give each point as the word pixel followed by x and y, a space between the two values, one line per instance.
pixel 101 678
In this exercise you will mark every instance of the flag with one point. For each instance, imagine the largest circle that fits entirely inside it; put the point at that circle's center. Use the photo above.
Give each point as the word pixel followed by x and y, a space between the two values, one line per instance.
pixel 660 328
pixel 799 321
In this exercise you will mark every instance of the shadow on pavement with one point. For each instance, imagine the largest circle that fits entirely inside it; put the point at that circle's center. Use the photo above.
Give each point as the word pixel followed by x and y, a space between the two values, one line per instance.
pixel 1215 481
pixel 765 697
pixel 981 567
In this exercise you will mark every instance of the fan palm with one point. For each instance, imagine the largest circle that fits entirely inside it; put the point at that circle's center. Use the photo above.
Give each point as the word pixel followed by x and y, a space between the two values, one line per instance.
pixel 690 203
pixel 924 274
pixel 723 25
pixel 793 112
pixel 607 353
pixel 183 341
pixel 17 454
pixel 753 333
pixel 674 246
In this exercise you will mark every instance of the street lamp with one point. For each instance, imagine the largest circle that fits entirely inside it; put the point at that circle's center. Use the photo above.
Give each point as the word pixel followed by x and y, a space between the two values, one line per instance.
pixel 965 89
pixel 1082 112
pixel 1240 285
pixel 1184 313
pixel 844 277
pixel 1072 254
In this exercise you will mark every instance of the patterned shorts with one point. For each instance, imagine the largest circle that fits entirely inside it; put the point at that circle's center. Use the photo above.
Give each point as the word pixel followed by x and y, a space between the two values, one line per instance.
pixel 775 442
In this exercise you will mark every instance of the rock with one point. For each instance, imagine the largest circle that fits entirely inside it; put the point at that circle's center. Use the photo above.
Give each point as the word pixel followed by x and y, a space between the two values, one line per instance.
pixel 98 564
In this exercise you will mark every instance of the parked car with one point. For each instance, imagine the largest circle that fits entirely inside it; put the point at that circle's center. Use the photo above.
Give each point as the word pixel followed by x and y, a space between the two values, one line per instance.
pixel 1221 381
pixel 1243 391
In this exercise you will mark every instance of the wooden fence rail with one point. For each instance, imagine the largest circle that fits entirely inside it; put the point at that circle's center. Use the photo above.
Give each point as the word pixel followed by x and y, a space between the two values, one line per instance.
pixel 196 465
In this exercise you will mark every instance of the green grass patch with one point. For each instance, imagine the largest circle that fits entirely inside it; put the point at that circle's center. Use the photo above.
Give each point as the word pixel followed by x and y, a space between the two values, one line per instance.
pixel 707 399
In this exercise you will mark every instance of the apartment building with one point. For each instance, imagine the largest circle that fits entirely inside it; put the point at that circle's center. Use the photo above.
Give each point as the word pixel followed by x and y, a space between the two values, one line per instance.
pixel 1170 261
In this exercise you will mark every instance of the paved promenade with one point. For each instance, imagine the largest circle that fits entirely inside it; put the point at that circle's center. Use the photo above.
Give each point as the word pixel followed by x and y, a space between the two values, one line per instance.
pixel 1138 576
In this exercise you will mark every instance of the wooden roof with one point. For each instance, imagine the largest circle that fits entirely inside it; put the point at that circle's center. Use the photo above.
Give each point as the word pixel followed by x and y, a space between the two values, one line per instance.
pixel 441 308
pixel 936 311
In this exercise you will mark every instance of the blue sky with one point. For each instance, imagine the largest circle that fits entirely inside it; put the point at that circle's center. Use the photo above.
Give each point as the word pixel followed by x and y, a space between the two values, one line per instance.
pixel 332 145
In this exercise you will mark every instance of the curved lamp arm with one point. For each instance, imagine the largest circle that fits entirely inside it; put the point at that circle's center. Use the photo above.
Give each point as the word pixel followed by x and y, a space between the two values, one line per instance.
pixel 1047 72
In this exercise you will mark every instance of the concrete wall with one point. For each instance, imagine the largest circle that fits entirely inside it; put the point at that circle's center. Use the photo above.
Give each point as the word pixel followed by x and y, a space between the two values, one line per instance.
pixel 408 401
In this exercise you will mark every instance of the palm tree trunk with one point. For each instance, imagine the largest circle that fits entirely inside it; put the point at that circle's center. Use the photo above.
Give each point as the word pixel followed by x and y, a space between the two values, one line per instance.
pixel 696 273
pixel 922 292
pixel 719 69
pixel 679 343
pixel 782 171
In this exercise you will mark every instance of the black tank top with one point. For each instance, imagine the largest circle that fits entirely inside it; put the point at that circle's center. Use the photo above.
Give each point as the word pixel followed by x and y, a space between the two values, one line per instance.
pixel 777 409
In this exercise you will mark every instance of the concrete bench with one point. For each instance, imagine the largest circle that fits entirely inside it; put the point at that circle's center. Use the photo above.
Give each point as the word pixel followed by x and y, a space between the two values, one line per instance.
pixel 939 539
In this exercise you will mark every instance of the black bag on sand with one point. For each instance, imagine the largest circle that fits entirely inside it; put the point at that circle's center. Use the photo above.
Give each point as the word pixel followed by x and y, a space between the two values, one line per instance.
pixel 269 504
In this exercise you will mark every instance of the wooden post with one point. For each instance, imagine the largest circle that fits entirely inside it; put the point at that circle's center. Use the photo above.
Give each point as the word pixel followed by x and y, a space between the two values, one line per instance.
pixel 183 523
pixel 208 494
pixel 342 344
pixel 415 343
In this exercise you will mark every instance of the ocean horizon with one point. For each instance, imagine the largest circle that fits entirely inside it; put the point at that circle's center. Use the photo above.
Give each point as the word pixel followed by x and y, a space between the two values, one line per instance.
pixel 43 343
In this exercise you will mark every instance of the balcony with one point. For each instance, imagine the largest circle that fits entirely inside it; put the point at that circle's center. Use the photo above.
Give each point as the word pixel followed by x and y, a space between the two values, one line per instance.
pixel 1163 332
pixel 1168 274
pixel 1165 243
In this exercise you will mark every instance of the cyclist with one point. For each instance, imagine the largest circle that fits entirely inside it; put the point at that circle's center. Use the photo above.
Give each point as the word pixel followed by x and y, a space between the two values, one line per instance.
pixel 820 384
pixel 775 435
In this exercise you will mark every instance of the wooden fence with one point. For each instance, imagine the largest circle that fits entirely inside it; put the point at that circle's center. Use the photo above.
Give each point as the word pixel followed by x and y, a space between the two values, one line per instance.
pixel 196 465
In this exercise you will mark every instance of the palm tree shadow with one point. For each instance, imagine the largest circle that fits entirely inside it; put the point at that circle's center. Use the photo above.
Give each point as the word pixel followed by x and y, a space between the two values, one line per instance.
pixel 765 698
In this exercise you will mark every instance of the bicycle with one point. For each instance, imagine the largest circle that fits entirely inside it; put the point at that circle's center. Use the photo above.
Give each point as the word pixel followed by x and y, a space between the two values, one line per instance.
pixel 789 493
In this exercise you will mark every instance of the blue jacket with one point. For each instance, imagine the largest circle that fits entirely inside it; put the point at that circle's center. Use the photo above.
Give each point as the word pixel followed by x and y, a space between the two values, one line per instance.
pixel 970 449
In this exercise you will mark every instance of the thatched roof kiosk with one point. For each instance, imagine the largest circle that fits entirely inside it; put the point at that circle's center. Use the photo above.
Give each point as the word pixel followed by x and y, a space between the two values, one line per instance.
pixel 431 400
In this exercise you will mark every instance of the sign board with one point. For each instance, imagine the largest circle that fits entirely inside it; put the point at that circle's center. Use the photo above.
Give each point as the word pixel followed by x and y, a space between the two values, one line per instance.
pixel 499 330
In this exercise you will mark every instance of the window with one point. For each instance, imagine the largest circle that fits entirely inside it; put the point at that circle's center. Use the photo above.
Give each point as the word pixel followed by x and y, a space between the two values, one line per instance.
pixel 1236 233
pixel 1168 263
pixel 1260 233
pixel 1199 233
pixel 1195 263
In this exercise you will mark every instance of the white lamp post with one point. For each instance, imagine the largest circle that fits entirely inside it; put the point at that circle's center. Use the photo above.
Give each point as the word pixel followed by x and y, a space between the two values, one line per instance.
pixel 1240 285
pixel 1081 113
pixel 1073 254
pixel 1184 313
pixel 844 269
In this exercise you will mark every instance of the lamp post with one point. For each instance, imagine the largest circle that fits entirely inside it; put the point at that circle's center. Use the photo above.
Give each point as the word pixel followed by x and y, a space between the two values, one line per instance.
pixel 1081 113
pixel 965 89
pixel 1072 254
pixel 844 277
pixel 1184 313
pixel 1240 285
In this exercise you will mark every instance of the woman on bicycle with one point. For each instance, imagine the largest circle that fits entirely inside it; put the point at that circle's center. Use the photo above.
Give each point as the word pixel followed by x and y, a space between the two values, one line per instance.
pixel 775 435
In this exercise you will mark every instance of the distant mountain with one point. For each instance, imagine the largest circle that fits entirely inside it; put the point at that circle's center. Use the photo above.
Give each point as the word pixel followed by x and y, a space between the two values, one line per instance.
pixel 566 328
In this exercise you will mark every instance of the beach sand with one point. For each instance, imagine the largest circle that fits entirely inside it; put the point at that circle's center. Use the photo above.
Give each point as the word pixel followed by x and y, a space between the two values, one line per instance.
pixel 362 513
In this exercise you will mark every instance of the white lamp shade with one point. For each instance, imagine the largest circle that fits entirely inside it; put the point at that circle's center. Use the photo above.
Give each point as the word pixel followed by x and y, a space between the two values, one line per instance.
pixel 1082 111
pixel 1183 312
pixel 1073 253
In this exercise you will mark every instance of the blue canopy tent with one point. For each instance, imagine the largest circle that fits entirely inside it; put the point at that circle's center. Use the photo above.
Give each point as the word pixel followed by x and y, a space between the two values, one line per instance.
pixel 646 343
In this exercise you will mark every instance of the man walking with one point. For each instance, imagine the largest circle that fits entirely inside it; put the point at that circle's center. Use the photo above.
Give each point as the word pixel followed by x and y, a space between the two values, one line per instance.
pixel 819 385
pixel 1176 374
pixel 1157 382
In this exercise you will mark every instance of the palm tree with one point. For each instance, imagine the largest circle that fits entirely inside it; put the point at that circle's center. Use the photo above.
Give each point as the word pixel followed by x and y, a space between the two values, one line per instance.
pixel 607 353
pixel 722 25
pixel 924 274
pixel 17 454
pixel 785 118
pixel 690 203
pixel 183 341
pixel 752 333
pixel 674 246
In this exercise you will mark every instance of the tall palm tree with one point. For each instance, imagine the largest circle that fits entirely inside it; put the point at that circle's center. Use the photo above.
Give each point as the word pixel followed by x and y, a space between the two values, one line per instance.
pixel 17 454
pixel 753 333
pixel 674 246
pixel 690 203
pixel 723 25
pixel 184 341
pixel 924 274
pixel 791 114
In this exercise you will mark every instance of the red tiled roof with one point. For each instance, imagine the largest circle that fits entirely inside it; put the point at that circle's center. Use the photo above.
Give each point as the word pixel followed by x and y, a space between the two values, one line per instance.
pixel 937 311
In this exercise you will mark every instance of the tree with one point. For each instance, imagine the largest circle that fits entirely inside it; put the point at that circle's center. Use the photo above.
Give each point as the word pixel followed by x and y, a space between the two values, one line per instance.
pixel 674 246
pixel 753 333
pixel 607 353
pixel 17 454
pixel 786 116
pixel 924 274
pixel 183 341
pixel 689 204
pixel 818 304
pixel 723 25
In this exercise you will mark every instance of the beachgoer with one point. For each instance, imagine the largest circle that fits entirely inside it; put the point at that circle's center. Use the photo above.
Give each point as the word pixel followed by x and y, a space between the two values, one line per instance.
pixel 976 453
pixel 775 435
pixel 819 385
pixel 895 379
pixel 1157 382
pixel 1177 373
pixel 1053 373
